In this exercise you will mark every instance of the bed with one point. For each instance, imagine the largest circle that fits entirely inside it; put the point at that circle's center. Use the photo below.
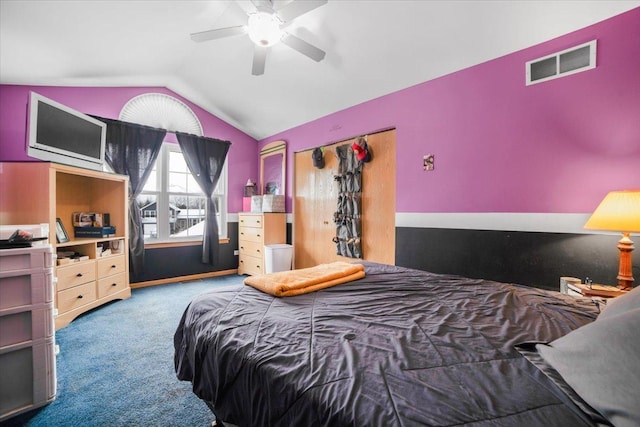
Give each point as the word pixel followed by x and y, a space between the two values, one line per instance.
pixel 399 347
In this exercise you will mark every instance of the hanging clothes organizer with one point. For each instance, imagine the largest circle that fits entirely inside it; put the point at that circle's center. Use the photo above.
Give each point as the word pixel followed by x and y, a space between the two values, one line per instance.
pixel 348 217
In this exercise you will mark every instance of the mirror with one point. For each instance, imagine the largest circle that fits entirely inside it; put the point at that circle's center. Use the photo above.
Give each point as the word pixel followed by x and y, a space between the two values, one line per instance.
pixel 273 160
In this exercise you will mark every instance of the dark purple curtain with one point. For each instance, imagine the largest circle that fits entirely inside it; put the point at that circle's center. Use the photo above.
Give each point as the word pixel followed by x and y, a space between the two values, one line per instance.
pixel 131 150
pixel 205 158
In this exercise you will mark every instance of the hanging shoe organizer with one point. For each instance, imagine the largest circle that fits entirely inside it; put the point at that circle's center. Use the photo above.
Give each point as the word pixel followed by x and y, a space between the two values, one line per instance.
pixel 349 212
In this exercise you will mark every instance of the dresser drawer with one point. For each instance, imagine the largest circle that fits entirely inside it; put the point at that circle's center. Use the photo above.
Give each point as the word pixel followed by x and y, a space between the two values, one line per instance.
pixel 248 248
pixel 76 274
pixel 253 221
pixel 110 266
pixel 250 265
pixel 111 284
pixel 76 297
pixel 251 235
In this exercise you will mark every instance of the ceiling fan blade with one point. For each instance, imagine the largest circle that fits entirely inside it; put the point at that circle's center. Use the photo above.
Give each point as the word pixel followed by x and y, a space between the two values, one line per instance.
pixel 246 5
pixel 297 8
pixel 259 59
pixel 303 47
pixel 219 33
pixel 263 5
pixel 239 11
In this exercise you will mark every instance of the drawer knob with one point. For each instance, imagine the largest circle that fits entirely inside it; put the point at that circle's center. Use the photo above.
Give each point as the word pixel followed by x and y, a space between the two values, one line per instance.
pixel 79 275
pixel 113 266
pixel 258 235
pixel 79 296
pixel 114 284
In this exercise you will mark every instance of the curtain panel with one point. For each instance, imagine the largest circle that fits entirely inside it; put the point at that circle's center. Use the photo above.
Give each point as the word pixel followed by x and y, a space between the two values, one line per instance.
pixel 205 159
pixel 132 149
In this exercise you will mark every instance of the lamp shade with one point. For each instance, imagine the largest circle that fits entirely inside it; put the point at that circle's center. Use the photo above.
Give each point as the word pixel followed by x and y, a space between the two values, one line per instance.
pixel 618 211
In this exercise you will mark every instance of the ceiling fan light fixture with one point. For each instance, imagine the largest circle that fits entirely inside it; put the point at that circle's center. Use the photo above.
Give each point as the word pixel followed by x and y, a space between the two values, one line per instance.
pixel 264 29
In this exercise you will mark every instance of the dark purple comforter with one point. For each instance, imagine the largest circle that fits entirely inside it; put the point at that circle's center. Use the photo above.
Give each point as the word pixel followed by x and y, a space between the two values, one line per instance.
pixel 400 347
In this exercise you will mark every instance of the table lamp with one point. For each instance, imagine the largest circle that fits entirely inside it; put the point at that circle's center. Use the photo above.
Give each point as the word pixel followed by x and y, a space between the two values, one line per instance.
pixel 619 211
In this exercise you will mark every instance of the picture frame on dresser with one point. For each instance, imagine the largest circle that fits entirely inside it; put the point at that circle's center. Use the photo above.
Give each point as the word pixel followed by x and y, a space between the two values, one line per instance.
pixel 61 233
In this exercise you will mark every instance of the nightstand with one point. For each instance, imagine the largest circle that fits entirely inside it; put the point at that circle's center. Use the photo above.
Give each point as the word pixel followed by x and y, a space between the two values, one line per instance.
pixel 574 287
pixel 599 294
pixel 594 290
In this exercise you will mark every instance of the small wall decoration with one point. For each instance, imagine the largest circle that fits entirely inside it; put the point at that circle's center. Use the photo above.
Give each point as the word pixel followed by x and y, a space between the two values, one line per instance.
pixel 427 161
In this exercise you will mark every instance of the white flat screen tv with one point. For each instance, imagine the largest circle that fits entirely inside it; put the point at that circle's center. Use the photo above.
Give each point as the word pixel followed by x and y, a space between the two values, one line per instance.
pixel 61 134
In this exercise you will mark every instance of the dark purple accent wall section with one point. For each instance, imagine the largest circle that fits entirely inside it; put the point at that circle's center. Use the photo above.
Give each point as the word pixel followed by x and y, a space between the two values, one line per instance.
pixel 160 263
pixel 532 259
pixel 502 146
pixel 107 102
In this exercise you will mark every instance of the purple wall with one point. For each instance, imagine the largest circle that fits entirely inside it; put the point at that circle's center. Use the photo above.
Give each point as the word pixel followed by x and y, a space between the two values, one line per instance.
pixel 501 146
pixel 107 102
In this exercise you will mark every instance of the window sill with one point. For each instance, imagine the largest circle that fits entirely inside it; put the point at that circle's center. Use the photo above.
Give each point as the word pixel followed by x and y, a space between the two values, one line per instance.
pixel 160 245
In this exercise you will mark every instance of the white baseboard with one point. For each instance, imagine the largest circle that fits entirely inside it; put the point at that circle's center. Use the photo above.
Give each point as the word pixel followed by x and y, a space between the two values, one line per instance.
pixel 501 221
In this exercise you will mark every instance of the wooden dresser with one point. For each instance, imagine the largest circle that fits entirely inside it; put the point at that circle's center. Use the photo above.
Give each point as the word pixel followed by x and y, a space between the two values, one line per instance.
pixel 89 282
pixel 255 230
pixel 57 191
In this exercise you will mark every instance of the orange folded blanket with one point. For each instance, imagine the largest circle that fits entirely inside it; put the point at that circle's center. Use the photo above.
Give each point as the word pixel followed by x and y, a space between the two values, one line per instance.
pixel 305 280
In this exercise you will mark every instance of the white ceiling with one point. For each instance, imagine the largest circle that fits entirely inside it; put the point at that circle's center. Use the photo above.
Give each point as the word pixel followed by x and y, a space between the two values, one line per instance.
pixel 374 47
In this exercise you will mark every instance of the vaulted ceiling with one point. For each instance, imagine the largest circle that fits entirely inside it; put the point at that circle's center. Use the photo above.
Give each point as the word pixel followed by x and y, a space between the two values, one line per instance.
pixel 373 47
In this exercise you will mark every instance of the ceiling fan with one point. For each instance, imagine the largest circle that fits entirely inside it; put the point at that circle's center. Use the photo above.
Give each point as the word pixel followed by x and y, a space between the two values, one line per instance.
pixel 265 27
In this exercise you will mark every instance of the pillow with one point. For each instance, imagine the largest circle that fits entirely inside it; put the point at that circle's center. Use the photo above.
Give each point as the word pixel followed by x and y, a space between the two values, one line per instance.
pixel 623 303
pixel 601 362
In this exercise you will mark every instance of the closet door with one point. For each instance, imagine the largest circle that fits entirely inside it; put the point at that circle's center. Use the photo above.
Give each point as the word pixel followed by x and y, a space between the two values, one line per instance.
pixel 315 201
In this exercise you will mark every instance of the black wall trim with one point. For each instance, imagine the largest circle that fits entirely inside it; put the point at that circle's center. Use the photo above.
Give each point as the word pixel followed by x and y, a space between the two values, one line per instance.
pixel 164 263
pixel 528 258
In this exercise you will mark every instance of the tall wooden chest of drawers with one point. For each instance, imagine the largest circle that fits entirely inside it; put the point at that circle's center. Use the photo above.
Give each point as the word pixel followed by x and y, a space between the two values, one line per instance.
pixel 255 230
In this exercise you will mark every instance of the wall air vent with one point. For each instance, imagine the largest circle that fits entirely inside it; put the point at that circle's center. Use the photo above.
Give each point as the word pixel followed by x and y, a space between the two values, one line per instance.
pixel 560 64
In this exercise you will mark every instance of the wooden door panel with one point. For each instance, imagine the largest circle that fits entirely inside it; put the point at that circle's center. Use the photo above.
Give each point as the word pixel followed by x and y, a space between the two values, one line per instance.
pixel 315 201
pixel 304 184
pixel 379 199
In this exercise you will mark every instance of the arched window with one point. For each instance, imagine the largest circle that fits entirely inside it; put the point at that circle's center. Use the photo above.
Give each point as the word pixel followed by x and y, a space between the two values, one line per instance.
pixel 171 204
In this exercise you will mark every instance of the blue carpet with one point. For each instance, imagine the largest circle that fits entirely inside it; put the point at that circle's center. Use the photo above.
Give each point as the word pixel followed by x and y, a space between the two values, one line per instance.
pixel 115 366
